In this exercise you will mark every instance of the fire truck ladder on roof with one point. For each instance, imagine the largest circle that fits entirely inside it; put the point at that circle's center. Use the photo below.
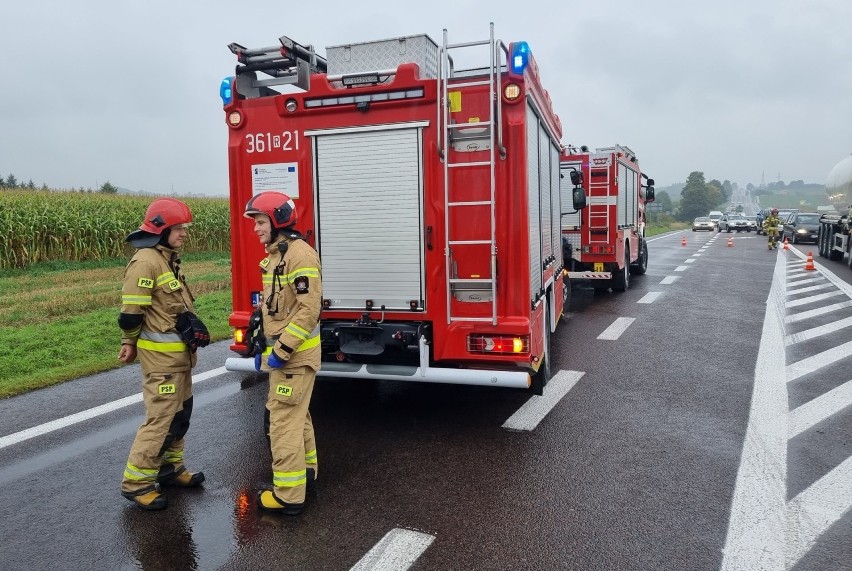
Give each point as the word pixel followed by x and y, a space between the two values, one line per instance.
pixel 452 133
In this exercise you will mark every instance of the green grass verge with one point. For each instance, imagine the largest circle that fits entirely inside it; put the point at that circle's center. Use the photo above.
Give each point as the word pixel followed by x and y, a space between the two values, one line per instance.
pixel 654 229
pixel 59 318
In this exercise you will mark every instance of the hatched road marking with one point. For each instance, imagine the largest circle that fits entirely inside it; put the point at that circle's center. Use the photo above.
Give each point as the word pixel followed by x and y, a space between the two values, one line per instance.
pixel 765 531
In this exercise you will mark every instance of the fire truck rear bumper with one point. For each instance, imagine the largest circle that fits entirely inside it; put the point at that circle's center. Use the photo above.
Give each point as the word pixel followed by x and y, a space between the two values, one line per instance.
pixel 589 275
pixel 478 377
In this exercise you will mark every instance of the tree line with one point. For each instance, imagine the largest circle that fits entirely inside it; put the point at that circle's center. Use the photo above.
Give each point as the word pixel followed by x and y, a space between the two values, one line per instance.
pixel 11 182
pixel 697 197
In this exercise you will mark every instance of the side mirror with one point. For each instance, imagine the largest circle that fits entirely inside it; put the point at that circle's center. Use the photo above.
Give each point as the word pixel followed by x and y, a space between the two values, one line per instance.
pixel 649 192
pixel 650 182
pixel 578 195
pixel 577 178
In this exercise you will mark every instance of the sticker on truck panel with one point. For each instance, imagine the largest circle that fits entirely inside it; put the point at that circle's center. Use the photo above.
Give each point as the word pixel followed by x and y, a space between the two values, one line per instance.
pixel 280 177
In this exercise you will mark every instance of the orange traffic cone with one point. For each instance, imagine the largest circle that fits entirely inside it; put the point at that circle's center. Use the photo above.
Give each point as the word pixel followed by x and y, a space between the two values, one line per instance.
pixel 786 245
pixel 683 241
pixel 731 242
pixel 809 264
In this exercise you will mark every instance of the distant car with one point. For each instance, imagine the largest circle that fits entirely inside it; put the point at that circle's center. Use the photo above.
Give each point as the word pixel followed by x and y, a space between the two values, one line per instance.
pixel 733 223
pixel 703 223
pixel 715 215
pixel 752 222
pixel 801 227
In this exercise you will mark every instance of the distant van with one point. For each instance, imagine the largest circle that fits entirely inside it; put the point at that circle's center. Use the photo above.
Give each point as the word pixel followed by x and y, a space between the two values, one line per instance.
pixel 715 215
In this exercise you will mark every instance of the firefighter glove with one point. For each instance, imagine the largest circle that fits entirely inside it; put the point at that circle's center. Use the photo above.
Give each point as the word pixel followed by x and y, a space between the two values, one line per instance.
pixel 274 361
pixel 192 331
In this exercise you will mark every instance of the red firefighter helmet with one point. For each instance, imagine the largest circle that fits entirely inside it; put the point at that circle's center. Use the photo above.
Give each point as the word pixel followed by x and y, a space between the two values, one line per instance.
pixel 161 215
pixel 278 206
pixel 774 211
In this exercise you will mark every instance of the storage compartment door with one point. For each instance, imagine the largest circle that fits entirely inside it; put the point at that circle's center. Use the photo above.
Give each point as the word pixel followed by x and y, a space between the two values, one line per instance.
pixel 368 187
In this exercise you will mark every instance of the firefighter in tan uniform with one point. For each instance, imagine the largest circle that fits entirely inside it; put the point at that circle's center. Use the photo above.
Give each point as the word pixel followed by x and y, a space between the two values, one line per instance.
pixel 289 349
pixel 158 324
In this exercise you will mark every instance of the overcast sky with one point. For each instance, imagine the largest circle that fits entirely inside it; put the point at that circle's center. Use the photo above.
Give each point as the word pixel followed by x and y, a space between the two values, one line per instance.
pixel 129 91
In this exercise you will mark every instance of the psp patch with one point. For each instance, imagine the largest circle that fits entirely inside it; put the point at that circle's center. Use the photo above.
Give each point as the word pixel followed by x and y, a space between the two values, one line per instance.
pixel 284 390
pixel 302 284
pixel 167 389
pixel 145 282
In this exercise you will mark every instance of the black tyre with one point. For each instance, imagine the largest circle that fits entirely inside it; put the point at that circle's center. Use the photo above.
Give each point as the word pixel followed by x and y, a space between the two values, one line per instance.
pixel 641 265
pixel 566 298
pixel 621 281
pixel 833 255
pixel 541 377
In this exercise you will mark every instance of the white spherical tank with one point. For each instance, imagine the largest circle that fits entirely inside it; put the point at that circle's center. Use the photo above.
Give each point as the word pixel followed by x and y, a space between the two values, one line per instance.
pixel 838 185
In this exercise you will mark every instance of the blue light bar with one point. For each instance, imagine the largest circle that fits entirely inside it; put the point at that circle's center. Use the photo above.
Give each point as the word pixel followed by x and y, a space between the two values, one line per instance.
pixel 225 91
pixel 520 56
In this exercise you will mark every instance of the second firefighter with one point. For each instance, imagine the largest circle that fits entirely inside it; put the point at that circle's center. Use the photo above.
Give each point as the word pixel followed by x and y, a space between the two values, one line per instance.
pixel 288 346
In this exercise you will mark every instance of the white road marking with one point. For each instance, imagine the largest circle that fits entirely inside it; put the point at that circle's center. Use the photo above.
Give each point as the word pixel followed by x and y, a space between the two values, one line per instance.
pixel 696 254
pixel 792 283
pixel 808 288
pixel 755 538
pixel 534 410
pixel 816 509
pixel 796 273
pixel 817 331
pixel 813 298
pixel 815 411
pixel 615 330
pixel 397 551
pixel 689 261
pixel 795 318
pixel 650 297
pixel 681 268
pixel 669 280
pixel 53 425
pixel 818 361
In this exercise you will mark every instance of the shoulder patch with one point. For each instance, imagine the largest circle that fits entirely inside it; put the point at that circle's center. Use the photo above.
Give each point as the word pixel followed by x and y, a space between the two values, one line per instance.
pixel 302 284
pixel 264 263
pixel 146 283
pixel 174 285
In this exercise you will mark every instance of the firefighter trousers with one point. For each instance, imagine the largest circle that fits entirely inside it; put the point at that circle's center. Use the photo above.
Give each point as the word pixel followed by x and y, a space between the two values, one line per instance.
pixel 291 431
pixel 160 439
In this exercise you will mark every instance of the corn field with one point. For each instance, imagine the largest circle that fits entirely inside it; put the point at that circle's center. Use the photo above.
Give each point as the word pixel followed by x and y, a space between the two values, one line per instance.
pixel 49 226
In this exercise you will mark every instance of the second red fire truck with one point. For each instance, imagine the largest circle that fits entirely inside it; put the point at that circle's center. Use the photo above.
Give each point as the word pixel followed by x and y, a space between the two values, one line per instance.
pixel 605 242
pixel 431 192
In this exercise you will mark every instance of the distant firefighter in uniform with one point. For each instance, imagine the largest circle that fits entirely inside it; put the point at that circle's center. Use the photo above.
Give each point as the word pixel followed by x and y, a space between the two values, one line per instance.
pixel 771 225
pixel 287 344
pixel 158 323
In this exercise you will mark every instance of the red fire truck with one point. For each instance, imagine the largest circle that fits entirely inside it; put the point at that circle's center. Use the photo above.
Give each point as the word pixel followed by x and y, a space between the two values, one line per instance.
pixel 605 242
pixel 431 194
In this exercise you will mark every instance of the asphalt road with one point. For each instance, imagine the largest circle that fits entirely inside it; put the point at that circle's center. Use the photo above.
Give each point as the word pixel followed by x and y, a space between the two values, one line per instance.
pixel 699 421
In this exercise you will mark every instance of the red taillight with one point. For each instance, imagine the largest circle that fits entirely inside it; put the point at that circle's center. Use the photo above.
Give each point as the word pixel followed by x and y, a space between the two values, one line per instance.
pixel 504 344
pixel 595 249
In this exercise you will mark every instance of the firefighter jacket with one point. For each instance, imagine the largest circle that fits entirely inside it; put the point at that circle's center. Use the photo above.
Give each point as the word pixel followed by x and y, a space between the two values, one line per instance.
pixel 155 288
pixel 772 223
pixel 292 301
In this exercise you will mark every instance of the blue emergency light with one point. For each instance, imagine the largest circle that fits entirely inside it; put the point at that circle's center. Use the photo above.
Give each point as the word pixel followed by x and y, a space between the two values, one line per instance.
pixel 520 57
pixel 225 91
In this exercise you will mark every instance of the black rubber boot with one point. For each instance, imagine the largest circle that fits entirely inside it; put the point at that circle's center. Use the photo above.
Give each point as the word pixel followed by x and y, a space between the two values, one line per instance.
pixel 168 476
pixel 148 498
pixel 268 501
